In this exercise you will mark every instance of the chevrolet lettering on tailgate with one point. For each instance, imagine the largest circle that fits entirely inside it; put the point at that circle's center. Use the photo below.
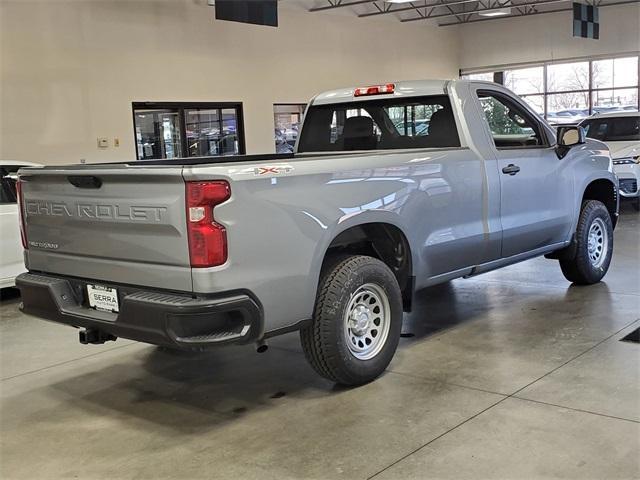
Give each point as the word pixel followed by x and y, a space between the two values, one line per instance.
pixel 94 211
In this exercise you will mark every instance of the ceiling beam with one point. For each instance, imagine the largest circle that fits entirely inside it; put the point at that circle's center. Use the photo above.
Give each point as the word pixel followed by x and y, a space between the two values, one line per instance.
pixel 339 4
pixel 406 9
pixel 556 10
pixel 492 7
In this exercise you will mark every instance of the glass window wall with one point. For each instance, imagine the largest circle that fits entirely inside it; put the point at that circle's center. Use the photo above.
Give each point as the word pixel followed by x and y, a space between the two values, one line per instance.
pixel 568 92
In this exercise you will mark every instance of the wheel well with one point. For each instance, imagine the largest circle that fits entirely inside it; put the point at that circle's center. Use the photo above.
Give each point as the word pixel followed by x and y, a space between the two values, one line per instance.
pixel 385 242
pixel 605 192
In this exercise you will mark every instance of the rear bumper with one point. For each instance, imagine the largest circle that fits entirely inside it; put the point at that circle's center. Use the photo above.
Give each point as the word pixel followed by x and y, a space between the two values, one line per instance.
pixel 156 317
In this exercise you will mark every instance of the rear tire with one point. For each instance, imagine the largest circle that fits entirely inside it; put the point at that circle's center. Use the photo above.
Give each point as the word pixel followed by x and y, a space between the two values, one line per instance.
pixel 594 245
pixel 357 320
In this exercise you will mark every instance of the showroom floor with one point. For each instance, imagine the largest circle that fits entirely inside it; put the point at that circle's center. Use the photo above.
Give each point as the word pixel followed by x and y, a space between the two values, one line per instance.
pixel 513 374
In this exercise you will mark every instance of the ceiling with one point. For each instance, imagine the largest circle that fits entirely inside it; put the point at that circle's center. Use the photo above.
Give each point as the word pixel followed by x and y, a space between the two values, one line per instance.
pixel 453 12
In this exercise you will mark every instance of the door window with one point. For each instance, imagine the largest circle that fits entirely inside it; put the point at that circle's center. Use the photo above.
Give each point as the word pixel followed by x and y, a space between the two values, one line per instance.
pixel 511 125
pixel 158 134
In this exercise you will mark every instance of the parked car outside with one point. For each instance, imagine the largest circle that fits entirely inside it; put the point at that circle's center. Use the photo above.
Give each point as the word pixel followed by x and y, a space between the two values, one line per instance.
pixel 11 259
pixel 567 117
pixel 282 146
pixel 621 132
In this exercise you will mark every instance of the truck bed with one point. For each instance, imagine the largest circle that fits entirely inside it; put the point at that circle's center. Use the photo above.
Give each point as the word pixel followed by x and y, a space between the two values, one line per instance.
pixel 178 162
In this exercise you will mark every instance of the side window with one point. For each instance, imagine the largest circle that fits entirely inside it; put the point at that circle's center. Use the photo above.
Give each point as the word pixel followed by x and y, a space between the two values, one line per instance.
pixel 511 125
pixel 596 129
pixel 625 129
pixel 8 186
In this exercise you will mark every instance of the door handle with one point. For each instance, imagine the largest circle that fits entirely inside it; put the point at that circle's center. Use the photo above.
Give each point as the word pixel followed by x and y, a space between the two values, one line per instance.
pixel 511 169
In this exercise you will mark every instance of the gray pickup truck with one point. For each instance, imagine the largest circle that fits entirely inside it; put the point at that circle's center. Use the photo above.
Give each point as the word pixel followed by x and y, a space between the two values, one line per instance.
pixel 392 188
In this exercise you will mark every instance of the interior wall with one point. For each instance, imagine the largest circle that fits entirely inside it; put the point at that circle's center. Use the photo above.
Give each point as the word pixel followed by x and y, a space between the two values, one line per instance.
pixel 70 69
pixel 547 37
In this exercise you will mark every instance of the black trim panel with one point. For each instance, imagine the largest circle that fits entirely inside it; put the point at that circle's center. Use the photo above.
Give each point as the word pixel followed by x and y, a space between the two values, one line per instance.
pixel 180 321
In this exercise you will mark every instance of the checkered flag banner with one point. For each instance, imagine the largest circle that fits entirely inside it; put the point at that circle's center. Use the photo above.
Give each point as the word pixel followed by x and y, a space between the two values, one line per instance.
pixel 585 21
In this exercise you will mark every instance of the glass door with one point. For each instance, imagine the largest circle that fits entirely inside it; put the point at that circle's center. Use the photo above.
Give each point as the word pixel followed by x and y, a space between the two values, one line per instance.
pixel 203 131
pixel 287 118
pixel 158 134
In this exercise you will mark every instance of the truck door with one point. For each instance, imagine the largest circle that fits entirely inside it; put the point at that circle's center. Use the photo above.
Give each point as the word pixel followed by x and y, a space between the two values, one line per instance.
pixel 536 187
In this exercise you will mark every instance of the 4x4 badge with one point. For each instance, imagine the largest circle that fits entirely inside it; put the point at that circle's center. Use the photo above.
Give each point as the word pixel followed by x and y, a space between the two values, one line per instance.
pixel 271 170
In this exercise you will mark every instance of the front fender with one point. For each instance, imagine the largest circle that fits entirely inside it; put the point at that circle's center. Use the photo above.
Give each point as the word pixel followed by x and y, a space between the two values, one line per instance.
pixel 590 162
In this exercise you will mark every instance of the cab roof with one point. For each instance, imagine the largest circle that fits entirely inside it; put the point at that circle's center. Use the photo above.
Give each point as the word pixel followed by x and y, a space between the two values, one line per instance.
pixel 412 88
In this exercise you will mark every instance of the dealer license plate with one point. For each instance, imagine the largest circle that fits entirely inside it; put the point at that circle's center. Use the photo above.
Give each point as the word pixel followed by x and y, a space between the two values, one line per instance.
pixel 103 298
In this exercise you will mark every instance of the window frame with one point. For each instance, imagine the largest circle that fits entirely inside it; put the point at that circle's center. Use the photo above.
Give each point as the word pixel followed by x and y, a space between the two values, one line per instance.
pixel 181 107
pixel 534 118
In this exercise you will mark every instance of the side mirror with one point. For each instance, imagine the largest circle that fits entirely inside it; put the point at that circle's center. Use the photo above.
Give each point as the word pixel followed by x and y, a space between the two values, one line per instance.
pixel 568 137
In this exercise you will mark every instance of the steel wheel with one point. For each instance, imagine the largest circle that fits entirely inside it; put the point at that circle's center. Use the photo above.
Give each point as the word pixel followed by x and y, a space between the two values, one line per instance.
pixel 356 321
pixel 597 243
pixel 366 321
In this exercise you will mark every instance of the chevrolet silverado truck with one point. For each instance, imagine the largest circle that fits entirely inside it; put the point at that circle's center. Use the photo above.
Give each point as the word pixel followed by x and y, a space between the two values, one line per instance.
pixel 391 188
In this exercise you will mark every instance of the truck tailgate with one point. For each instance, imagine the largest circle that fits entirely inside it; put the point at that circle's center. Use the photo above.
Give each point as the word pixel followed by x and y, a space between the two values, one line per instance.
pixel 117 224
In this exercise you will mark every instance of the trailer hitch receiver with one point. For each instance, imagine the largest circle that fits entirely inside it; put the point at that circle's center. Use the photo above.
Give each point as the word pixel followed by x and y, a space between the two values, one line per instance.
pixel 95 336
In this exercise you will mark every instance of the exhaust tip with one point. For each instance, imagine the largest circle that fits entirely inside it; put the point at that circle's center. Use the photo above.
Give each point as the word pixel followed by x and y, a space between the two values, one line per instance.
pixel 261 346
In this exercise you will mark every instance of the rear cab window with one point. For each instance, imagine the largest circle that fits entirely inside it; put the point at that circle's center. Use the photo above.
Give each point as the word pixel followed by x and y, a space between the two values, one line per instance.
pixel 381 124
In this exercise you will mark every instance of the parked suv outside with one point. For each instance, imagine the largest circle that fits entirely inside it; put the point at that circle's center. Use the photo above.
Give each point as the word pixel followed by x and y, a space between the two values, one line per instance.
pixel 621 132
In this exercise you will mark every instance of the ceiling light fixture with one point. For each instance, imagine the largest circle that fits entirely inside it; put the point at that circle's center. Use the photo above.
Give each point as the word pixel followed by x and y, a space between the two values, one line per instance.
pixel 495 13
pixel 399 1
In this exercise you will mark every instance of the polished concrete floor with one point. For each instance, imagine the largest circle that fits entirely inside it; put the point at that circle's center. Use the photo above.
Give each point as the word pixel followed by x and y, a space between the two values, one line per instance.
pixel 513 375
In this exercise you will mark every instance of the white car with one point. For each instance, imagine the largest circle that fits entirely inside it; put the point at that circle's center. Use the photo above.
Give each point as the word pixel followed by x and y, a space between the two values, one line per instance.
pixel 11 260
pixel 567 117
pixel 621 132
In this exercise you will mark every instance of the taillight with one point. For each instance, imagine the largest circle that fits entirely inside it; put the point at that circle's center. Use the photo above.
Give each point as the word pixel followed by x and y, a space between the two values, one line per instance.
pixel 207 239
pixel 23 231
pixel 374 90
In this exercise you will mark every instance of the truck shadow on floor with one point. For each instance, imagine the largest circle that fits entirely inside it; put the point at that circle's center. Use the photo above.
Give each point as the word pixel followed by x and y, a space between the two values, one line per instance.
pixel 192 393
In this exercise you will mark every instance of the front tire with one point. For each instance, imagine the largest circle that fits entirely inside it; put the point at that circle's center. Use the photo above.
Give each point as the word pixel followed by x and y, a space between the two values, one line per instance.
pixel 594 245
pixel 357 320
pixel 636 204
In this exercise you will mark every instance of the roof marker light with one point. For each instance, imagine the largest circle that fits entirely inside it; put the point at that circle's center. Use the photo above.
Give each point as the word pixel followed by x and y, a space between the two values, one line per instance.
pixel 374 90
